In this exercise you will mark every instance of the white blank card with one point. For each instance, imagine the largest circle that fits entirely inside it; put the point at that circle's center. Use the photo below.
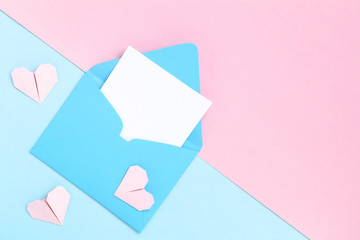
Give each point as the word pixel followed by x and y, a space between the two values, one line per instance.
pixel 153 104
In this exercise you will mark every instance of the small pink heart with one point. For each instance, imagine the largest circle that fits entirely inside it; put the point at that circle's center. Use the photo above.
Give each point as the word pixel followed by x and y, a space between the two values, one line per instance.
pixel 132 189
pixel 38 84
pixel 53 208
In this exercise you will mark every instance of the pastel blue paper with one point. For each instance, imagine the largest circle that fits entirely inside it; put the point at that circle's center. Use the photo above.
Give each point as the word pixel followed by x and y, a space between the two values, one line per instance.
pixel 82 142
pixel 203 205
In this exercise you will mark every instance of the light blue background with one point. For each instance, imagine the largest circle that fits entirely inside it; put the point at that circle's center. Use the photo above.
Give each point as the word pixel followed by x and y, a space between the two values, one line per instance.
pixel 203 205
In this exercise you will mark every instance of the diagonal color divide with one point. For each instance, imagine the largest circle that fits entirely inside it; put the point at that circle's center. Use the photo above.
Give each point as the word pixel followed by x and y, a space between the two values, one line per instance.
pixel 204 204
pixel 283 78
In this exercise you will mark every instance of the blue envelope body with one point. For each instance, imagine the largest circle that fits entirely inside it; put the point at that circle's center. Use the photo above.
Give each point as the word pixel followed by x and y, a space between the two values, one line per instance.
pixel 83 141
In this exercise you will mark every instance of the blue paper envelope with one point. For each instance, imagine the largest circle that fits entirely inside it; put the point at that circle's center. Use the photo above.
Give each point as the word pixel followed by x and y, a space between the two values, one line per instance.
pixel 82 142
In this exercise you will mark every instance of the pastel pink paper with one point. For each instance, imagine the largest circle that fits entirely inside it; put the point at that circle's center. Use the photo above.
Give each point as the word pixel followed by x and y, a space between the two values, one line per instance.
pixel 46 78
pixel 51 209
pixel 40 210
pixel 24 80
pixel 131 189
pixel 283 76
pixel 58 199
pixel 36 85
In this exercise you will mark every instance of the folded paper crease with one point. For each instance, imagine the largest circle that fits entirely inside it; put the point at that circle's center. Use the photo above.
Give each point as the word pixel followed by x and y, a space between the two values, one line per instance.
pixel 132 189
pixel 83 141
pixel 37 85
pixel 53 208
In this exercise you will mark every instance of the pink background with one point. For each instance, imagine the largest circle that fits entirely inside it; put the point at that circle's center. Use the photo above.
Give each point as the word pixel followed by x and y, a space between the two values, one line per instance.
pixel 284 77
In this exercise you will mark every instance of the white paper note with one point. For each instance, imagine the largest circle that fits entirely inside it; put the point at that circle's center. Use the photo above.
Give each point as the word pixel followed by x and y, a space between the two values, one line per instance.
pixel 153 104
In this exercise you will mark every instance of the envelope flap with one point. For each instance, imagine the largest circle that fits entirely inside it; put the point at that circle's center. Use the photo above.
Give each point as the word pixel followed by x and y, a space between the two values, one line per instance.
pixel 96 115
pixel 181 61
pixel 84 145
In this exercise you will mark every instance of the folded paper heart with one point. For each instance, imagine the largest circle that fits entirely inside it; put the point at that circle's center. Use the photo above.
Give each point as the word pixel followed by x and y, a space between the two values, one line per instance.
pixel 36 85
pixel 132 189
pixel 53 208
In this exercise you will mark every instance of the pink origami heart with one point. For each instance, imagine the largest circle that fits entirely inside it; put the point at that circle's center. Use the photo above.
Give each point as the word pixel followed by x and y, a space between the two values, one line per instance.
pixel 36 85
pixel 132 189
pixel 53 208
